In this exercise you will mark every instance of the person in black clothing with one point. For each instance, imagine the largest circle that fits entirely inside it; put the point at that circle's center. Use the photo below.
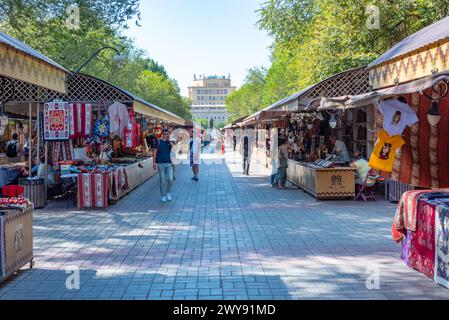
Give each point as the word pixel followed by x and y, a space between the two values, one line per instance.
pixel 246 150
pixel 234 140
pixel 12 148
pixel 163 164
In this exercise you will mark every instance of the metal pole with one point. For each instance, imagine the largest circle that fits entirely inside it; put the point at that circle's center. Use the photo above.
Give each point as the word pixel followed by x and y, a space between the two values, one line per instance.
pixel 38 139
pixel 93 56
pixel 46 170
pixel 30 130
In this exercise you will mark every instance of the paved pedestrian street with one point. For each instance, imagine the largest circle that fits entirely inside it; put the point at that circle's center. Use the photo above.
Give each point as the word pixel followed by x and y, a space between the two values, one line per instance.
pixel 228 236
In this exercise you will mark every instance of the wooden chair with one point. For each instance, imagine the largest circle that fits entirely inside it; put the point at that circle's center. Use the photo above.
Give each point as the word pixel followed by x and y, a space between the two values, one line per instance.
pixel 366 191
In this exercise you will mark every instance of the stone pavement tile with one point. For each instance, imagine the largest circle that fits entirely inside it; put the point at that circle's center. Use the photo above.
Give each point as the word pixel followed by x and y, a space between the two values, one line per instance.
pixel 229 236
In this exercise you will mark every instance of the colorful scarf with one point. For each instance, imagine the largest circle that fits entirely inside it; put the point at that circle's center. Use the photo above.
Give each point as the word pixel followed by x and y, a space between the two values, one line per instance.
pixel 80 120
pixel 422 242
pixel 56 154
pixel 56 121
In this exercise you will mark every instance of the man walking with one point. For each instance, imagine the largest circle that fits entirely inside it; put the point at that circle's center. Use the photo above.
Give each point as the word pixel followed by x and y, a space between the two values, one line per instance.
pixel 195 146
pixel 163 164
pixel 246 150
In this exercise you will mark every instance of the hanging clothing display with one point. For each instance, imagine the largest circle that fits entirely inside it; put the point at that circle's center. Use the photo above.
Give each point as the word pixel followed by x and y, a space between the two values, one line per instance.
pixel 119 119
pixel 56 154
pixel 80 120
pixel 384 151
pixel 56 121
pixel 397 116
pixel 130 132
pixel 102 125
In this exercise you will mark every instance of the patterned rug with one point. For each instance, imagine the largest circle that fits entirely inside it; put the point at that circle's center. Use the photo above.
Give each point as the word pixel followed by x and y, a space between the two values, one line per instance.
pixel 56 121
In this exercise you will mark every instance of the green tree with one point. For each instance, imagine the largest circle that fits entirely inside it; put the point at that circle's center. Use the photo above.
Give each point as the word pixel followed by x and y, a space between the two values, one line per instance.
pixel 156 88
pixel 249 98
pixel 42 25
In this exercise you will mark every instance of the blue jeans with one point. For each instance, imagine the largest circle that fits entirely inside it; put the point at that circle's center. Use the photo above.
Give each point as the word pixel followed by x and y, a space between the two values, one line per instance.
pixel 165 171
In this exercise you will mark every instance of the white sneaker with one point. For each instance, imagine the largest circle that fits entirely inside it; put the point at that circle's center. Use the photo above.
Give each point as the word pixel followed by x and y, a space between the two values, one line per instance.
pixel 169 197
pixel 164 199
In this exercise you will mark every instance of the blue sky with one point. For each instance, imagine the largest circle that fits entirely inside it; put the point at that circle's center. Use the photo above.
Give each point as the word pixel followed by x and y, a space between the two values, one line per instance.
pixel 202 37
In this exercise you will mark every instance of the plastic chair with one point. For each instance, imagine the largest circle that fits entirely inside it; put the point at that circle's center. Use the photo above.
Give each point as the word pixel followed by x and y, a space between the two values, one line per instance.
pixel 12 191
pixel 366 191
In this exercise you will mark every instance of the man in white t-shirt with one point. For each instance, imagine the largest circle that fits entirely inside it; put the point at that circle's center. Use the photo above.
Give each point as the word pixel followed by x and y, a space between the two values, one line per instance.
pixel 340 150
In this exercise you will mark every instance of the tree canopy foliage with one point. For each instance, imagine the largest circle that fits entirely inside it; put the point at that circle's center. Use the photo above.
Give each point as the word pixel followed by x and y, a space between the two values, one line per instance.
pixel 42 24
pixel 314 39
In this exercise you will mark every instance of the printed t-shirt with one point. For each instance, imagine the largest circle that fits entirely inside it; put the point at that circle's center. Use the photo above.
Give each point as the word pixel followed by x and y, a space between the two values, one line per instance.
pixel 384 151
pixel 397 116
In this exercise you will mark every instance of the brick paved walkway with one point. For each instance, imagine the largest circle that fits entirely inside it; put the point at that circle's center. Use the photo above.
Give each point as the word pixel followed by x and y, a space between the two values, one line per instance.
pixel 227 237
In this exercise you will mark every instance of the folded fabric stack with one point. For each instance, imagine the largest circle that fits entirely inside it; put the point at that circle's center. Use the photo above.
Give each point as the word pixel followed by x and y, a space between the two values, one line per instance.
pixel 406 212
pixel 426 248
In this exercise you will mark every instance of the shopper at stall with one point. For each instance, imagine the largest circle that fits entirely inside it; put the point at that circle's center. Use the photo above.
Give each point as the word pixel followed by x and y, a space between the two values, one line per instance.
pixel 234 141
pixel 340 149
pixel 280 180
pixel 194 151
pixel 12 148
pixel 246 150
pixel 163 164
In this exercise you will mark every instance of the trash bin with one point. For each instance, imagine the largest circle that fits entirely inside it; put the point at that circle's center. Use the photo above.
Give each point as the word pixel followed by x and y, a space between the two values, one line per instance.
pixel 34 190
pixel 16 240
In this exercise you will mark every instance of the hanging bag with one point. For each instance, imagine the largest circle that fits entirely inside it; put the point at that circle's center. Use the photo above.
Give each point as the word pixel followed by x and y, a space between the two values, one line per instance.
pixel 102 125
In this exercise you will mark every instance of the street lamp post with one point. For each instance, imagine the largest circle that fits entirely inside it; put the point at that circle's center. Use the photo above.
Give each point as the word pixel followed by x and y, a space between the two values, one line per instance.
pixel 118 58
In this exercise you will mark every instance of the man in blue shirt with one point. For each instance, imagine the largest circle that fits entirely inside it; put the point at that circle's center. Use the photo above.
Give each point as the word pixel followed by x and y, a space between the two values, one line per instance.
pixel 163 164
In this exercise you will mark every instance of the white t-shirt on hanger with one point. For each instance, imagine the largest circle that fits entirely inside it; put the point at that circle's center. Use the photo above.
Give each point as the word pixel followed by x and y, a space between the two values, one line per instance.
pixel 397 116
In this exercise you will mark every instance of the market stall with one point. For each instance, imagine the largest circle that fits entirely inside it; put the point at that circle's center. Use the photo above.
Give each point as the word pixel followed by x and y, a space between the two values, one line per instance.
pixel 412 141
pixel 308 132
pixel 89 128
pixel 412 104
pixel 20 65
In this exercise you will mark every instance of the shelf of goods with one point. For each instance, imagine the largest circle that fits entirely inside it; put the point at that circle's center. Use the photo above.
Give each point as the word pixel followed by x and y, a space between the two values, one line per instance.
pixel 16 239
pixel 323 183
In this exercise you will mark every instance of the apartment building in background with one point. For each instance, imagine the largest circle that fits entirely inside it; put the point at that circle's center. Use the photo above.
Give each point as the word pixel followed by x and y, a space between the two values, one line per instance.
pixel 208 95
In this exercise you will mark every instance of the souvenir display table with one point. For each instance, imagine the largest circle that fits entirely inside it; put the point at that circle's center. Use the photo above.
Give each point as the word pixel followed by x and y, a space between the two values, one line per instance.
pixel 16 235
pixel 323 183
pixel 422 224
pixel 137 173
pixel 97 185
